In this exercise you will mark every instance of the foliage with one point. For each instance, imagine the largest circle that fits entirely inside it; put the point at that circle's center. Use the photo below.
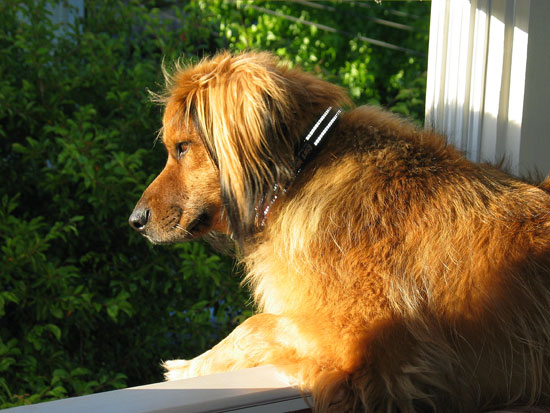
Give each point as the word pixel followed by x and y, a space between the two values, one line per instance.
pixel 87 305
pixel 334 49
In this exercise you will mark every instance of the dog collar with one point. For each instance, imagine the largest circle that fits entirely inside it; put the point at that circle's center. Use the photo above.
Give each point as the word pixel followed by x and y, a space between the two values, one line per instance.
pixel 311 143
pixel 309 147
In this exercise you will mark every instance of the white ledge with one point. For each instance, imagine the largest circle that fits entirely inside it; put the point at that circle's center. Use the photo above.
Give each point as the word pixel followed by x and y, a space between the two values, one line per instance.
pixel 259 389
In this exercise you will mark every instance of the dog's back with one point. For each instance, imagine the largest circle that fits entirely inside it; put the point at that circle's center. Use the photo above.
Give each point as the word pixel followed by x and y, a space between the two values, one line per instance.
pixel 440 267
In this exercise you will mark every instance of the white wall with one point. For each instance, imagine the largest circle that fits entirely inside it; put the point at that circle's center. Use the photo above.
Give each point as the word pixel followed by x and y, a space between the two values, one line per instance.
pixel 489 80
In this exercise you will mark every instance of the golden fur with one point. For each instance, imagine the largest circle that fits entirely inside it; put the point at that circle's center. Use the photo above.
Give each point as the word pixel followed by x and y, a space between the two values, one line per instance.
pixel 393 275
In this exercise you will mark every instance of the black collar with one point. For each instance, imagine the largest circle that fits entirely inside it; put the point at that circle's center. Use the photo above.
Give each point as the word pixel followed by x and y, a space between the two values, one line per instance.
pixel 312 141
pixel 308 149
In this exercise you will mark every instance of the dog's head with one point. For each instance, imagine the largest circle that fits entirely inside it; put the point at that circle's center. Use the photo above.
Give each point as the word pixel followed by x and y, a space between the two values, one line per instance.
pixel 230 127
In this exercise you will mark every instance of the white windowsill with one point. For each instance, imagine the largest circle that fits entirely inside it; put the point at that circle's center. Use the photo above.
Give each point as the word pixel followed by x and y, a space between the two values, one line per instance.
pixel 259 389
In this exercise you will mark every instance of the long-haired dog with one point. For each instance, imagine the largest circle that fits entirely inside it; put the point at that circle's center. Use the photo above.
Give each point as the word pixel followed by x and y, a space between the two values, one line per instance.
pixel 390 273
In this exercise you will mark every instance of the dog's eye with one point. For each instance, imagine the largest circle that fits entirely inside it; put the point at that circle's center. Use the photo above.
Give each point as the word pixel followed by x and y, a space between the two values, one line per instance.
pixel 181 149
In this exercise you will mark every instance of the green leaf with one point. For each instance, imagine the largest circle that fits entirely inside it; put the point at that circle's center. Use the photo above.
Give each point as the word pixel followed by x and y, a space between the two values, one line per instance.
pixel 55 330
pixel 80 371
pixel 56 312
pixel 112 310
pixel 6 362
pixel 17 147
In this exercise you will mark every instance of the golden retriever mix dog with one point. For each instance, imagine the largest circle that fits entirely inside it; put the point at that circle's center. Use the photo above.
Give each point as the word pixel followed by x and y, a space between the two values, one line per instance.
pixel 390 274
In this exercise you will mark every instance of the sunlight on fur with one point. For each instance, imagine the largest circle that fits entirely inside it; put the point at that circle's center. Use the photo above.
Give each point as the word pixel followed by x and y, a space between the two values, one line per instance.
pixel 391 275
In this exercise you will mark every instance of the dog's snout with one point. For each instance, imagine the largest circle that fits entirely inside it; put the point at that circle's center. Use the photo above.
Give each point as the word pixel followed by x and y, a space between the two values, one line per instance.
pixel 139 218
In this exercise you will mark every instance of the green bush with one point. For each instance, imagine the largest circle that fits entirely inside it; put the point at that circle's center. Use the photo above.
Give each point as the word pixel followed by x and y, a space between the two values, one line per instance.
pixel 334 50
pixel 86 304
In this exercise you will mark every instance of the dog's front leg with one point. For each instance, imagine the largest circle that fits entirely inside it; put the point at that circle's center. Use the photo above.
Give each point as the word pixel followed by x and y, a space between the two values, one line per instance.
pixel 262 339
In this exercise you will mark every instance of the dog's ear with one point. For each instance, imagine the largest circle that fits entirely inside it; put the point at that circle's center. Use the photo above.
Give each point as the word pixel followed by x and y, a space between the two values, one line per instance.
pixel 242 115
pixel 250 113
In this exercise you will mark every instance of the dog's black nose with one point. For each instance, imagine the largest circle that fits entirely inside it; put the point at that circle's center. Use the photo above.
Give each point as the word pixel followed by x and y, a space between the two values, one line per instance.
pixel 139 218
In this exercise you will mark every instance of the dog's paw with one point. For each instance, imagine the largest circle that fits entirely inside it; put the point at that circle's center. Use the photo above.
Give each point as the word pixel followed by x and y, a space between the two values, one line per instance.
pixel 292 379
pixel 177 369
pixel 185 369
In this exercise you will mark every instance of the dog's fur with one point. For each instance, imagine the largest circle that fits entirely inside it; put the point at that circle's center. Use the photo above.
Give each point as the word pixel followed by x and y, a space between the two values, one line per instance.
pixel 393 274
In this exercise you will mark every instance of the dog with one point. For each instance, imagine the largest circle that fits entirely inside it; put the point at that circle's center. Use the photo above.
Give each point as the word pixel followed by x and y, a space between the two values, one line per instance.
pixel 389 272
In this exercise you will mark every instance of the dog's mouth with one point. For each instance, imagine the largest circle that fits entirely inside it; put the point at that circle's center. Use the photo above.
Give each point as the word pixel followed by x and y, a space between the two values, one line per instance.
pixel 200 225
pixel 172 230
